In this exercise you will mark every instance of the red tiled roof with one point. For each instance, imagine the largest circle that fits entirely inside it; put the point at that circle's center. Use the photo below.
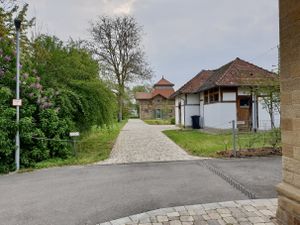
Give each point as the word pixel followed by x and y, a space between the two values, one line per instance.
pixel 142 95
pixel 163 92
pixel 166 93
pixel 163 82
pixel 239 73
pixel 193 84
pixel 235 73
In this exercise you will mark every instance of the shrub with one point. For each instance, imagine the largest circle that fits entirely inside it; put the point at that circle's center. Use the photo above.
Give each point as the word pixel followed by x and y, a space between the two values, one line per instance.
pixel 172 121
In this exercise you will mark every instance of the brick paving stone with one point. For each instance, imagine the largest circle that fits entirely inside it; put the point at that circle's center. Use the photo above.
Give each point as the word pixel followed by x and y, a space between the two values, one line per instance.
pixel 180 208
pixel 211 206
pixel 192 212
pixel 256 220
pixel 153 219
pixel 175 222
pixel 121 221
pixel 230 220
pixel 245 223
pixel 173 218
pixel 186 219
pixel 140 142
pixel 225 215
pixel 200 222
pixel 214 216
pixel 213 222
pixel 172 214
pixel 244 212
pixel 184 213
pixel 266 212
pixel 198 217
pixel 221 222
pixel 136 218
pixel 187 223
pixel 206 217
pixel 223 211
pixel 145 220
pixel 242 219
pixel 229 204
pixel 162 218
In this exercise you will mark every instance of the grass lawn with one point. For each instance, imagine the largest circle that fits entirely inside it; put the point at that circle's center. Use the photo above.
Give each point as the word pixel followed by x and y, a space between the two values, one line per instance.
pixel 204 144
pixel 158 122
pixel 94 146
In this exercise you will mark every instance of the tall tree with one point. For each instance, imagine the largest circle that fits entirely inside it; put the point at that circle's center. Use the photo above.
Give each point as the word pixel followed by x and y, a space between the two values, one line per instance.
pixel 117 45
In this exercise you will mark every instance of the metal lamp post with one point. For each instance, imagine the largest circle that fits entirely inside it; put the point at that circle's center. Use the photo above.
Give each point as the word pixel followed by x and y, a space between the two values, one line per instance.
pixel 17 100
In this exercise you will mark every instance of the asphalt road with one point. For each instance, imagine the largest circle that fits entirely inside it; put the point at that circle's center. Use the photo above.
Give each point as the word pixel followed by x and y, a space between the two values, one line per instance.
pixel 94 194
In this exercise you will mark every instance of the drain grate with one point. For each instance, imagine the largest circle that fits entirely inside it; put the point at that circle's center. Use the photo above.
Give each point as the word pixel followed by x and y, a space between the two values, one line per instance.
pixel 234 183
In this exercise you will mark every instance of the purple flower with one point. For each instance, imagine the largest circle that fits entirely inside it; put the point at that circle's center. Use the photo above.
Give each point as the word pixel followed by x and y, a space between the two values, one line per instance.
pixel 38 86
pixel 1 73
pixel 25 75
pixel 7 58
pixel 31 95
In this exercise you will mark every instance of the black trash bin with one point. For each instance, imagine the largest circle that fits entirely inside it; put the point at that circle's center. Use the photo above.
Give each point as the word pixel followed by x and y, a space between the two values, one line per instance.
pixel 196 122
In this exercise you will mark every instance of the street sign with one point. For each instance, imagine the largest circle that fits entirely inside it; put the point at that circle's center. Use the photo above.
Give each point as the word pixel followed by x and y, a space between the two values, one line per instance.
pixel 240 122
pixel 74 134
pixel 17 102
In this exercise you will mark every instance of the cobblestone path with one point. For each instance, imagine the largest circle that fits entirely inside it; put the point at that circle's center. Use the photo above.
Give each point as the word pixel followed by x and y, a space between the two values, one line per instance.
pixel 243 212
pixel 140 142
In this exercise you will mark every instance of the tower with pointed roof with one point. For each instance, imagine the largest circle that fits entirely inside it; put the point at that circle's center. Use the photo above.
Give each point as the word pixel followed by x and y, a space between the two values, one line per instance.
pixel 158 103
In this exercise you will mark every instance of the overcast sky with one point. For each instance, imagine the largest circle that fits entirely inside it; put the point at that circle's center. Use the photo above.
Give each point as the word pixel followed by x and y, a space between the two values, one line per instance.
pixel 181 37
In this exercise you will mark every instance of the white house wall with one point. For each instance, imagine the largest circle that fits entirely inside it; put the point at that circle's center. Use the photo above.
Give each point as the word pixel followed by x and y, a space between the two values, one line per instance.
pixel 229 96
pixel 179 99
pixel 192 99
pixel 219 115
pixel 190 110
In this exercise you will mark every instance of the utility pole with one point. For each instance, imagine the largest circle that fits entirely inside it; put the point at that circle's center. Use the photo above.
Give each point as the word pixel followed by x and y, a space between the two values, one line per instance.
pixel 17 101
pixel 233 139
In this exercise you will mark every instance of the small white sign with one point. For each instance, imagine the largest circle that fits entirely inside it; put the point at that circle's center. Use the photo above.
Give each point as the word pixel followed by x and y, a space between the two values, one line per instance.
pixel 17 102
pixel 74 134
pixel 240 122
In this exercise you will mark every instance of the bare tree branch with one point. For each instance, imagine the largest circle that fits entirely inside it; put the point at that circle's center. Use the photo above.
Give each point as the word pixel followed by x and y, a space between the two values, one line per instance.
pixel 117 45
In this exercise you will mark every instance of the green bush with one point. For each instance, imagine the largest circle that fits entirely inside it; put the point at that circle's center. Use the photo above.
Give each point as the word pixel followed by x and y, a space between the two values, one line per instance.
pixel 173 121
pixel 60 91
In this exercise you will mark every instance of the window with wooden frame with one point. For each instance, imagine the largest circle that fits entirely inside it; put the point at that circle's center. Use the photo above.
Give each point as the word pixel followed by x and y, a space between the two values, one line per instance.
pixel 206 97
pixel 211 96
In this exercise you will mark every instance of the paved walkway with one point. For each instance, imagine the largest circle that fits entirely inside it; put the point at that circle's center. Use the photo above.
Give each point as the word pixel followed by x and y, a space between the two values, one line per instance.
pixel 140 142
pixel 243 212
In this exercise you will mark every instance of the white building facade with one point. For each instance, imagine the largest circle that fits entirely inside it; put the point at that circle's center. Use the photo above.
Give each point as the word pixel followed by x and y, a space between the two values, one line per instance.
pixel 218 104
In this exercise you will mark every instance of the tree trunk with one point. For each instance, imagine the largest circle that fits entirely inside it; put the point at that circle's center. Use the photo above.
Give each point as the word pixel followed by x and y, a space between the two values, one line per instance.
pixel 120 103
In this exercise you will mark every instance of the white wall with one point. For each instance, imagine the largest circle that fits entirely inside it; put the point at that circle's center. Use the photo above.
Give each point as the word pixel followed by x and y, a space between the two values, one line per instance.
pixel 264 121
pixel 179 99
pixel 177 110
pixel 219 115
pixel 229 96
pixel 191 110
pixel 201 108
pixel 192 99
